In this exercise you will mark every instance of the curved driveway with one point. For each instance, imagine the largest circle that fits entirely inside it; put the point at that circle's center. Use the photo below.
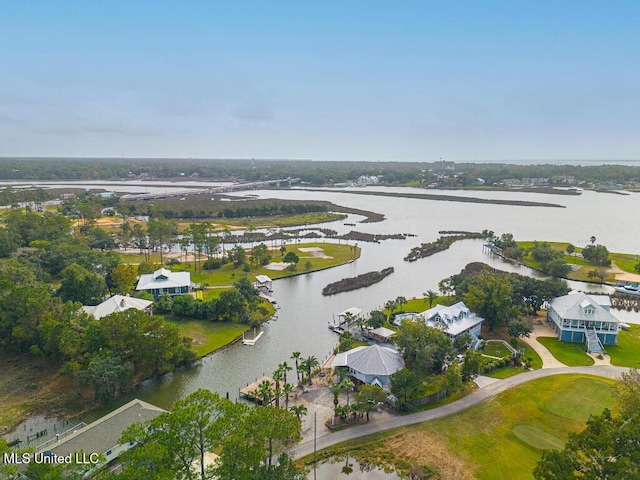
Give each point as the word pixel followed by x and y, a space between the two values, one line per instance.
pixel 476 397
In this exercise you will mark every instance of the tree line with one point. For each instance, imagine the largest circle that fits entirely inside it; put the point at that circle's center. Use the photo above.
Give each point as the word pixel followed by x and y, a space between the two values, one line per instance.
pixel 312 172
pixel 97 353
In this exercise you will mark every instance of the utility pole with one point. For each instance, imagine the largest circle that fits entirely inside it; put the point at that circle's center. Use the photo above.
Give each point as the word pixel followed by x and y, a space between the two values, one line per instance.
pixel 315 466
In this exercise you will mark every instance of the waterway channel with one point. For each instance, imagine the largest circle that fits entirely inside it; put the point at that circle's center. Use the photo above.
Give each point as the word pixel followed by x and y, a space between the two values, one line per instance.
pixel 304 312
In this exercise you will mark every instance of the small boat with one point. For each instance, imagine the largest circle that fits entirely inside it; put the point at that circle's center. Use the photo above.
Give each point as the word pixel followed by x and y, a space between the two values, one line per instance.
pixel 628 289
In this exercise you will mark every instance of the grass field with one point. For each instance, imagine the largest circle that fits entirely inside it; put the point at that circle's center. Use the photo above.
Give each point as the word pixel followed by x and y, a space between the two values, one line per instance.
pixel 227 275
pixel 209 336
pixel 627 352
pixel 571 354
pixel 624 261
pixel 501 438
pixel 536 361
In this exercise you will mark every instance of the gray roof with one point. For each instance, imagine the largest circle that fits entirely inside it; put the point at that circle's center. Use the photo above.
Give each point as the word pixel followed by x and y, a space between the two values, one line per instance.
pixel 383 332
pixel 573 306
pixel 163 278
pixel 117 303
pixel 374 360
pixel 104 434
pixel 453 320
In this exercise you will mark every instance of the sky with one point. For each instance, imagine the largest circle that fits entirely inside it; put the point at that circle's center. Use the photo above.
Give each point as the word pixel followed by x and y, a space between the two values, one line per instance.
pixel 325 80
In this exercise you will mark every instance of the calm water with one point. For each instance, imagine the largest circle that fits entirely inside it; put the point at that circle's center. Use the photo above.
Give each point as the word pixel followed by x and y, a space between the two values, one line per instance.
pixel 304 313
pixel 349 469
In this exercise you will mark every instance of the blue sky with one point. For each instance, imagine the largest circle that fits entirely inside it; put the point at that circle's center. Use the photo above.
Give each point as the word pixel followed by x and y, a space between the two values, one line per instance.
pixel 348 80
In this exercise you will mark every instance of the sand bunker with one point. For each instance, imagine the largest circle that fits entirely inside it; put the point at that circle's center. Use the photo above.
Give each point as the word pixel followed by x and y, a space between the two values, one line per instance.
pixel 278 266
pixel 316 252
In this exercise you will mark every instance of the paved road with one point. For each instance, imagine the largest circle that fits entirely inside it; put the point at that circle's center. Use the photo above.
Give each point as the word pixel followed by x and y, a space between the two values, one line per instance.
pixel 306 448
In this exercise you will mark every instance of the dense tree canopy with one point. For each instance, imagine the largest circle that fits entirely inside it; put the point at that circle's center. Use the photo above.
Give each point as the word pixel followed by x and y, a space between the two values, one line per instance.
pixel 423 348
pixel 249 440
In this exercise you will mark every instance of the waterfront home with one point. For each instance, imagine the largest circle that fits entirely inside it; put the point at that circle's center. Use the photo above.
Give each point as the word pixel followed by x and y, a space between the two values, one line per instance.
pixel 101 437
pixel 165 281
pixel 118 303
pixel 370 365
pixel 454 320
pixel 579 317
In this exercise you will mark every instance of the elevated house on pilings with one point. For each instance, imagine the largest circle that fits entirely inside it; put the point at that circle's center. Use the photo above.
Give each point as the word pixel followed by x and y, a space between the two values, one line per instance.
pixel 579 317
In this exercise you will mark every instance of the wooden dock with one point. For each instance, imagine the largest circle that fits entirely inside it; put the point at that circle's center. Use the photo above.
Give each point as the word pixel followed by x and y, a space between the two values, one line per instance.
pixel 248 391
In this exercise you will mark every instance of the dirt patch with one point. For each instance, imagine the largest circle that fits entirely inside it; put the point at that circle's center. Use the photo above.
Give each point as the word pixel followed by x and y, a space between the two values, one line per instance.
pixel 425 448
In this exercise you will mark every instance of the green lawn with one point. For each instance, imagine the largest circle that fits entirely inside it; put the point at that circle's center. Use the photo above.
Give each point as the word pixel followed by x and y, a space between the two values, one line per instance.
pixel 627 352
pixel 625 261
pixel 497 439
pixel 505 372
pixel 227 275
pixel 571 354
pixel 209 336
pixel 495 348
pixel 536 361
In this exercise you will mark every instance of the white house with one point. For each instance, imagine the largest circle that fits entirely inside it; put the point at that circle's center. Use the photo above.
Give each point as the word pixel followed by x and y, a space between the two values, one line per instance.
pixel 454 320
pixel 370 365
pixel 118 303
pixel 165 281
pixel 579 317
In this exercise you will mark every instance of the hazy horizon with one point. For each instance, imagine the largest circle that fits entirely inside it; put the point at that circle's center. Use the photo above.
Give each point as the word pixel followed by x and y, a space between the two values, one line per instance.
pixel 332 81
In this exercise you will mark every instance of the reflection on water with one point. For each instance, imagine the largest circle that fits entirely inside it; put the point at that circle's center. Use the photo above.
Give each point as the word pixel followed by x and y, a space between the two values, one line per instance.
pixel 349 469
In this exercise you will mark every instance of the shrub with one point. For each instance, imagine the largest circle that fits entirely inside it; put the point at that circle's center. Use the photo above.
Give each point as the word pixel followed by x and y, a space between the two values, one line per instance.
pixel 212 264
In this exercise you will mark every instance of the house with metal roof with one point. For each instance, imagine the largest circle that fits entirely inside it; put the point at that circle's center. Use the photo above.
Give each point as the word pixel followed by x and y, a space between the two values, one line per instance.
pixel 118 303
pixel 102 437
pixel 454 320
pixel 165 281
pixel 370 365
pixel 579 317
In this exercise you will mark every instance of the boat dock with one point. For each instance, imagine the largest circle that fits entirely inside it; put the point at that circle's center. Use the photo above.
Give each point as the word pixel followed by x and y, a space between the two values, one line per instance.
pixel 252 341
pixel 269 299
pixel 343 320
pixel 249 391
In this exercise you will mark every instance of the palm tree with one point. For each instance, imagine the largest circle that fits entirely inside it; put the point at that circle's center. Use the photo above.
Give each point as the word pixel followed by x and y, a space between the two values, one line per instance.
pixel 285 367
pixel 348 318
pixel 430 296
pixel 278 376
pixel 592 239
pixel 336 388
pixel 298 411
pixel 347 385
pixel 308 364
pixel 296 356
pixel 391 306
pixel 400 301
pixel 264 392
pixel 287 389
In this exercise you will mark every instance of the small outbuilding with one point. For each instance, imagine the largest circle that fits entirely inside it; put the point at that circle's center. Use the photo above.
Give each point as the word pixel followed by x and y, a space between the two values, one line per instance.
pixel 263 283
pixel 382 334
